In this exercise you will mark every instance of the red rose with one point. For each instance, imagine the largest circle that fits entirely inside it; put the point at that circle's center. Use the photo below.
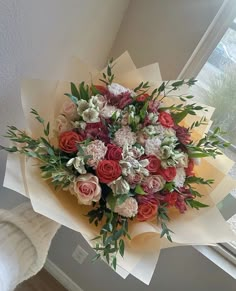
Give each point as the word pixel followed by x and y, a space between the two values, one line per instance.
pixel 68 141
pixel 102 90
pixel 189 169
pixel 108 171
pixel 142 98
pixel 154 164
pixel 168 174
pixel 113 152
pixel 147 207
pixel 165 119
pixel 171 198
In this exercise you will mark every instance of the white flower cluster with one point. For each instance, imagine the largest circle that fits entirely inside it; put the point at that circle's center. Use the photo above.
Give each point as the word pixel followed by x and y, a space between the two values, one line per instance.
pixel 117 89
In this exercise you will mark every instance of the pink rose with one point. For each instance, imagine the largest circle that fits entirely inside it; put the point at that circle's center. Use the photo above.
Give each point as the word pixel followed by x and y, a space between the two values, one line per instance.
pixel 154 164
pixel 69 109
pixel 153 184
pixel 87 189
pixel 147 207
pixel 134 179
pixel 62 124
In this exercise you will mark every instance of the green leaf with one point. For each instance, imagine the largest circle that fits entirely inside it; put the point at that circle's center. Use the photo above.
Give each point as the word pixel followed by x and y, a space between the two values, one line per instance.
pixel 143 111
pixel 10 150
pixel 96 238
pixel 195 204
pixel 169 186
pixel 179 116
pixel 162 87
pixel 121 247
pixel 74 90
pixel 177 83
pixel 94 90
pixel 198 180
pixel 114 262
pixel 108 227
pixel 40 119
pixel 139 190
pixel 83 92
pixel 72 98
pixel 47 129
pixel 117 234
pixel 198 155
pixel 121 198
pixel 111 201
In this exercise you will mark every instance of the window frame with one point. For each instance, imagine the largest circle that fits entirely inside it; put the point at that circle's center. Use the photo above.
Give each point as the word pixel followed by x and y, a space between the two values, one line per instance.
pixel 224 255
pixel 216 30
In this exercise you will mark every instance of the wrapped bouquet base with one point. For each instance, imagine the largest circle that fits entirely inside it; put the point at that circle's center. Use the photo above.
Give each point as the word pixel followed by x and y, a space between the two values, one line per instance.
pixel 203 226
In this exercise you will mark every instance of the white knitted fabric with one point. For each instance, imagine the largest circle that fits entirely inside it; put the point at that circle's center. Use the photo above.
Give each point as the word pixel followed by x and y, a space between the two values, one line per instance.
pixel 25 238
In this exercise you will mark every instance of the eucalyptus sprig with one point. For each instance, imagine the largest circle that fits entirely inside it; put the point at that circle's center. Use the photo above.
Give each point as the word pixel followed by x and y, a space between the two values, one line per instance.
pixel 108 77
pixel 110 241
pixel 162 217
pixel 51 162
pixel 208 146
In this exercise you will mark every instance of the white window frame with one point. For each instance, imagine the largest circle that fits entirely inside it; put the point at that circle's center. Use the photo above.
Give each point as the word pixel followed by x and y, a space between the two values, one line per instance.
pixel 210 39
pixel 223 255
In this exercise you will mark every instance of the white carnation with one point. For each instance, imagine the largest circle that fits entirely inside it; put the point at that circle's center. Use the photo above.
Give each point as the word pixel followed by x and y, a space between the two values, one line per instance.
pixel 124 136
pixel 152 146
pixel 108 110
pixel 129 208
pixel 180 177
pixel 117 89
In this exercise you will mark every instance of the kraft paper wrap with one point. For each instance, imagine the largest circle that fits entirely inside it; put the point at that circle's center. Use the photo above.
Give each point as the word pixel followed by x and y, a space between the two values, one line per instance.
pixel 196 227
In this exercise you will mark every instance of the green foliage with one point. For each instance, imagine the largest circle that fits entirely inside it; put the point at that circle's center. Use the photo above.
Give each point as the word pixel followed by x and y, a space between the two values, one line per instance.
pixel 110 242
pixel 139 190
pixel 142 87
pixel 208 146
pixel 195 204
pixel 108 77
pixel 52 164
pixel 162 216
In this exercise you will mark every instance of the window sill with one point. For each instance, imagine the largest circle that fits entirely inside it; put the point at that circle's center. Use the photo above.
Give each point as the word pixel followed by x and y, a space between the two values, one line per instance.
pixel 215 255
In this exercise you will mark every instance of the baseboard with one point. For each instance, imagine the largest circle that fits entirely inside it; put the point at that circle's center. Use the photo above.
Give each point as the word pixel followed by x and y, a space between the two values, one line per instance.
pixel 61 277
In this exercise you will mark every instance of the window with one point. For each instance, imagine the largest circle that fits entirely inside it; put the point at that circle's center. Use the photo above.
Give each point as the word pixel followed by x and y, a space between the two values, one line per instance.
pixel 214 65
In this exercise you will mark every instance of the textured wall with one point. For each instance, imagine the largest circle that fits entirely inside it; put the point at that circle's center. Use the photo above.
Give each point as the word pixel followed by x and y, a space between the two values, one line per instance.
pixel 37 37
pixel 166 31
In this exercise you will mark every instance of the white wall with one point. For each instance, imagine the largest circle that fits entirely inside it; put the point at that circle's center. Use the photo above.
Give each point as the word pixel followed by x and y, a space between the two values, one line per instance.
pixel 166 31
pixel 37 37
pixel 33 36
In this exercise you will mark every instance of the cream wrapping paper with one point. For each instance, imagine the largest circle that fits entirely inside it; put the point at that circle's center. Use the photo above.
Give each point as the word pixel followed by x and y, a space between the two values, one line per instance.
pixel 205 226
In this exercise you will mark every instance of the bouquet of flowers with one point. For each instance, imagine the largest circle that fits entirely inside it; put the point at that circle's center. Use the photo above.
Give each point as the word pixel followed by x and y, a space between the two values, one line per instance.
pixel 129 156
